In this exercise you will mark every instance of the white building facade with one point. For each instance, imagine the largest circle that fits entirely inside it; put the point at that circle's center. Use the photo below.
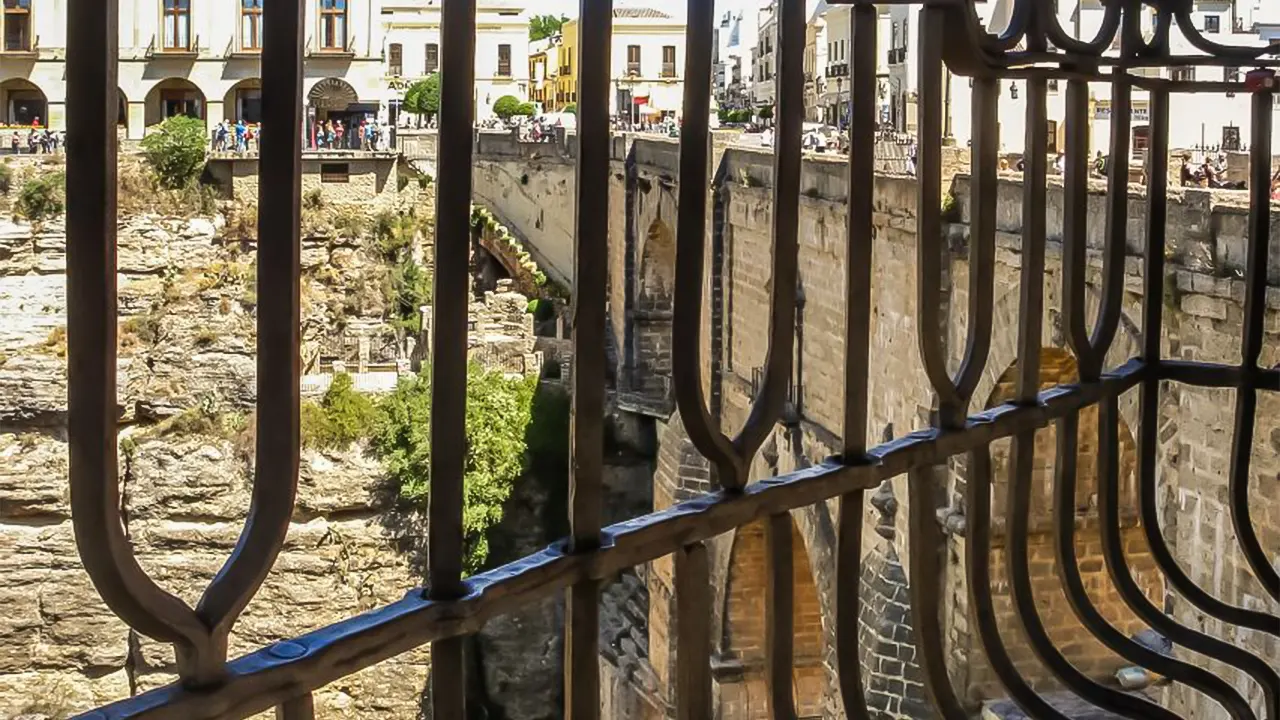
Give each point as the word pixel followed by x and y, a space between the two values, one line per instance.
pixel 648 55
pixel 412 42
pixel 763 58
pixel 1201 121
pixel 193 57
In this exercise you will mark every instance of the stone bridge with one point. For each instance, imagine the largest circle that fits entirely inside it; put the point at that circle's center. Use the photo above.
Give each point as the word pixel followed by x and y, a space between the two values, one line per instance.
pixel 531 188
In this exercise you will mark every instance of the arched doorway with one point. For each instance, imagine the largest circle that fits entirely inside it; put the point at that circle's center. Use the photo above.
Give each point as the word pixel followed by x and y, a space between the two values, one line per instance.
pixel 172 97
pixel 333 100
pixel 23 103
pixel 122 111
pixel 244 101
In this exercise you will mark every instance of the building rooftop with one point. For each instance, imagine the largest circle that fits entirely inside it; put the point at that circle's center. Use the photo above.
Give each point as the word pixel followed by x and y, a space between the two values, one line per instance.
pixel 640 12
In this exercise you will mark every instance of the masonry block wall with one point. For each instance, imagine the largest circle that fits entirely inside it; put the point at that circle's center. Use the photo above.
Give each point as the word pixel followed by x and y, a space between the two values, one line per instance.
pixel 1206 241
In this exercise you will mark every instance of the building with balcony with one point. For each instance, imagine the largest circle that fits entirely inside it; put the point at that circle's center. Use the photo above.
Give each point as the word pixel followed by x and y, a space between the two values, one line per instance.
pixel 412 32
pixel 647 64
pixel 544 71
pixel 193 57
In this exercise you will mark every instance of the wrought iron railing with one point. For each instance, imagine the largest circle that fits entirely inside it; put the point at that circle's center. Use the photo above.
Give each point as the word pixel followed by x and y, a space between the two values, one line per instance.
pixel 1034 48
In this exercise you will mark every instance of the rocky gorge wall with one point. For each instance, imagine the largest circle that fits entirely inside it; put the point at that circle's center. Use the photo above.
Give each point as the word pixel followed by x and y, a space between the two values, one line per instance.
pixel 186 379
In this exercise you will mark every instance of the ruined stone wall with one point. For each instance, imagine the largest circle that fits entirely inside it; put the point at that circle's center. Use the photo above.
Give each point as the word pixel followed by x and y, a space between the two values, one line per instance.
pixel 371 180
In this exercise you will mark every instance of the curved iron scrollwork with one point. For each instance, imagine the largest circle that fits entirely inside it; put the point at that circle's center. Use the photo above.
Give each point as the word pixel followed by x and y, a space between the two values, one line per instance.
pixel 1033 46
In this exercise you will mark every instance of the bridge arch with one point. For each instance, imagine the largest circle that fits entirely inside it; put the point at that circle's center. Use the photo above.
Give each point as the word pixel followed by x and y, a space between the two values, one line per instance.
pixel 742 659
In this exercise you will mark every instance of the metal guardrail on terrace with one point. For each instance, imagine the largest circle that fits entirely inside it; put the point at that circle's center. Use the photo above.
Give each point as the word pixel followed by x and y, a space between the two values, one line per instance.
pixel 1034 48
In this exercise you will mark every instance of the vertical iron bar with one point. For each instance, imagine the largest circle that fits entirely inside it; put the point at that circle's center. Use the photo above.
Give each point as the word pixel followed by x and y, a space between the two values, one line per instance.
pixel 1108 320
pixel 446 542
pixel 982 244
pixel 925 560
pixel 299 708
pixel 787 158
pixel 1022 453
pixel 779 627
pixel 275 482
pixel 591 254
pixel 693 649
pixel 978 572
pixel 1118 570
pixel 929 246
pixel 1149 393
pixel 857 346
pixel 1034 221
pixel 1255 309
pixel 1075 231
pixel 686 331
pixel 92 72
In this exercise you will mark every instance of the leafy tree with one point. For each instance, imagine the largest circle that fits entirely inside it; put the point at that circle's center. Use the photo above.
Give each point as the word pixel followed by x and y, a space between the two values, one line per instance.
pixel 506 106
pixel 42 198
pixel 766 112
pixel 499 411
pixel 527 109
pixel 423 97
pixel 175 150
pixel 544 26
pixel 571 108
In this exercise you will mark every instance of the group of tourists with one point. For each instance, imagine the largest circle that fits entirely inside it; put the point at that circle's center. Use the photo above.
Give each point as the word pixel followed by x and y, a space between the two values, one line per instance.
pixel 36 140
pixel 369 135
pixel 235 137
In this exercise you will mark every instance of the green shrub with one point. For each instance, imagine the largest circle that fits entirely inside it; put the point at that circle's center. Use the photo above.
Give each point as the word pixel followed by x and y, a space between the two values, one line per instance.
pixel 424 181
pixel 313 199
pixel 499 412
pixel 506 106
pixel 342 416
pixel 527 109
pixel 175 150
pixel 571 108
pixel 42 198
pixel 407 289
pixel 6 178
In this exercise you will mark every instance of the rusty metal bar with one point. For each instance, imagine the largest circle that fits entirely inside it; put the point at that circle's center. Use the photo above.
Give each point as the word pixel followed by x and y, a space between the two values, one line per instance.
pixel 1121 577
pixel 857 350
pixel 586 444
pixel 1149 393
pixel 789 83
pixel 779 608
pixel 693 649
pixel 686 330
pixel 978 581
pixel 302 707
pixel 446 541
pixel 275 481
pixel 1255 309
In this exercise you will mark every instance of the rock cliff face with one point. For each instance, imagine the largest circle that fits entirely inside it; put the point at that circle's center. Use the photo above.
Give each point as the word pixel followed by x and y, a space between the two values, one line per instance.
pixel 186 389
